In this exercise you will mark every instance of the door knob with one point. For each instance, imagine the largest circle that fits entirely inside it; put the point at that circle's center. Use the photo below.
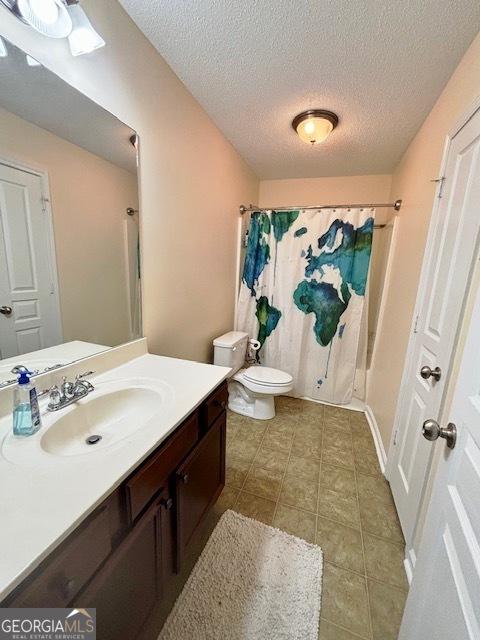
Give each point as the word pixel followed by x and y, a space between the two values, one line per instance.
pixel 6 311
pixel 431 430
pixel 167 503
pixel 427 373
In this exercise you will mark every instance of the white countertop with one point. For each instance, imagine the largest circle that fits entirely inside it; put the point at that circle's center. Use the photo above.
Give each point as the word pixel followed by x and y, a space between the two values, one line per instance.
pixel 43 502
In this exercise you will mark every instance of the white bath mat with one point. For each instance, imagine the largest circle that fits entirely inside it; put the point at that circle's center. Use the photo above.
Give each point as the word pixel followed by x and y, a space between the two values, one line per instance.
pixel 252 582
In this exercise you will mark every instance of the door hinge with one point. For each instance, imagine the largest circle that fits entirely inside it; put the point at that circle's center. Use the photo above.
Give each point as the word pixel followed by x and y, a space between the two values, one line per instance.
pixel 45 201
pixel 395 437
pixel 440 181
pixel 415 326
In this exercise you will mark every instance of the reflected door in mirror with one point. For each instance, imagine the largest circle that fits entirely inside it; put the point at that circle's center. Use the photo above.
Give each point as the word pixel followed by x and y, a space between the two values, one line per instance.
pixel 27 266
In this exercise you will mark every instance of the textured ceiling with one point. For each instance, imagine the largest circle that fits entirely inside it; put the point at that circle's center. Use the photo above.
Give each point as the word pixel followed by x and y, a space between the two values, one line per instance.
pixel 39 96
pixel 254 64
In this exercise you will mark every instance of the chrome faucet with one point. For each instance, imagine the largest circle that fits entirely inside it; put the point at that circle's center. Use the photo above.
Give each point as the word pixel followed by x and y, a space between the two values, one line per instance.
pixel 69 392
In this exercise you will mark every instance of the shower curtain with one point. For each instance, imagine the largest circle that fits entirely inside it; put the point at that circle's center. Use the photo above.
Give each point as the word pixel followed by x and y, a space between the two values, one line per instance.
pixel 303 292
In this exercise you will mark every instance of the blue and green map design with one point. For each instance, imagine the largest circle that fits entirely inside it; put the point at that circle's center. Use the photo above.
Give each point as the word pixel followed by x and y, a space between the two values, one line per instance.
pixel 343 247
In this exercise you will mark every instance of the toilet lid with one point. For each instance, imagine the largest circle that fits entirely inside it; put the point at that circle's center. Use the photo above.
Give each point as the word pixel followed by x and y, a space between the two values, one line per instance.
pixel 267 375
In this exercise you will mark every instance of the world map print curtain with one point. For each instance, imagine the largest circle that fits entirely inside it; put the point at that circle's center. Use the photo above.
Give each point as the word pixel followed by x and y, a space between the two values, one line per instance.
pixel 303 292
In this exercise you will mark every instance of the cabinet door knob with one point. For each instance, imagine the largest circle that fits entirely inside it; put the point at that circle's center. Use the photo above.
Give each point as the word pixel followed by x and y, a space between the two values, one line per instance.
pixel 67 588
pixel 167 503
pixel 220 403
pixel 185 478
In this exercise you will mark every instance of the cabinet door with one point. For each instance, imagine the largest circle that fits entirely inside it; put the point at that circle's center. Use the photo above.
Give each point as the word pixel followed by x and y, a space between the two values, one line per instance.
pixel 128 586
pixel 199 481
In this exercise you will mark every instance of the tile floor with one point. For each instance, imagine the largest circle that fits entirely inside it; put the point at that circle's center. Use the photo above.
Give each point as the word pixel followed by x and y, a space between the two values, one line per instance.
pixel 313 472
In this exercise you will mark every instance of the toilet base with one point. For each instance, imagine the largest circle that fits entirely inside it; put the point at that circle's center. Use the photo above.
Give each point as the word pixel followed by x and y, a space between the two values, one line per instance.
pixel 246 403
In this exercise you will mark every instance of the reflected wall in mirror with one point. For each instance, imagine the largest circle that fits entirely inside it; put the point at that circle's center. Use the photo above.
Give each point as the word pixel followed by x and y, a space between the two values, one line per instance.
pixel 69 252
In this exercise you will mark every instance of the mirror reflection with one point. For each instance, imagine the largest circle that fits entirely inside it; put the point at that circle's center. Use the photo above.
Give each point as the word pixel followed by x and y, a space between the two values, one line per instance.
pixel 69 222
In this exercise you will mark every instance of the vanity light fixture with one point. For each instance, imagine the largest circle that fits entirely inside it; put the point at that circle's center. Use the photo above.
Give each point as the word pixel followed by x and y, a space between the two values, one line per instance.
pixel 48 17
pixel 83 38
pixel 3 48
pixel 58 19
pixel 315 125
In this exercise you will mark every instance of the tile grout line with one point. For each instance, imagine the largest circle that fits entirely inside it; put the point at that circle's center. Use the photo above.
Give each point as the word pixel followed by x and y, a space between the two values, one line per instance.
pixel 342 628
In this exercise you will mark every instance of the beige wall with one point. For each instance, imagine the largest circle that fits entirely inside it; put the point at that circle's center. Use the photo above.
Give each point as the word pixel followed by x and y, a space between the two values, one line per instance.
pixel 191 178
pixel 412 182
pixel 343 190
pixel 88 198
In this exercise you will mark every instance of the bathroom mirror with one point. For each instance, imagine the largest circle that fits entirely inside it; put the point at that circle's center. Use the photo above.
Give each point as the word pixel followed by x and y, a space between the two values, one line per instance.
pixel 69 221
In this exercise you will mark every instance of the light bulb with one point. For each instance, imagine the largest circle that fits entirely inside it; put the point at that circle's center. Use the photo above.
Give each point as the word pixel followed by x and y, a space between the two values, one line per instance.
pixel 309 127
pixel 48 17
pixel 83 37
pixel 3 49
pixel 45 10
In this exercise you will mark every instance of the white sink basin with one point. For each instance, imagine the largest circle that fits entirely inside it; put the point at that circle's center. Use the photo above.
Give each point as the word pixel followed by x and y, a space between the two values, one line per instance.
pixel 113 411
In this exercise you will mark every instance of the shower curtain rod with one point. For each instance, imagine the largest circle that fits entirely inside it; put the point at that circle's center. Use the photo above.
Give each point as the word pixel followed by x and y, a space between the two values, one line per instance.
pixel 391 205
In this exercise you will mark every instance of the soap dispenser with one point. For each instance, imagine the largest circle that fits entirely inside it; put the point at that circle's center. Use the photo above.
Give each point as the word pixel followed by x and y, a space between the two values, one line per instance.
pixel 26 412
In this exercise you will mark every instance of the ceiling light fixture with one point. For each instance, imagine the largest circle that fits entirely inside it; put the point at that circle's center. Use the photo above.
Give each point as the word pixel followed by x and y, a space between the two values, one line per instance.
pixel 315 125
pixel 83 37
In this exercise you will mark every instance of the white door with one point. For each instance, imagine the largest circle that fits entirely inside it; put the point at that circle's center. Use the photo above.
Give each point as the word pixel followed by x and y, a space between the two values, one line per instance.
pixel 29 310
pixel 444 599
pixel 446 270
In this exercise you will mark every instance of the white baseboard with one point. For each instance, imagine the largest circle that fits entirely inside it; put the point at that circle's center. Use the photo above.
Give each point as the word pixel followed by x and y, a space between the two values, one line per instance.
pixel 381 454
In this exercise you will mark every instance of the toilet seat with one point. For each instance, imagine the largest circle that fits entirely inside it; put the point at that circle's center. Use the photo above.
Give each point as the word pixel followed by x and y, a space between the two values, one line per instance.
pixel 267 376
pixel 264 380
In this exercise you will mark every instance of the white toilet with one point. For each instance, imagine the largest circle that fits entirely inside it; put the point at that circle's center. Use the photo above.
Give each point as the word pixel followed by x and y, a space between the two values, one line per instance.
pixel 251 389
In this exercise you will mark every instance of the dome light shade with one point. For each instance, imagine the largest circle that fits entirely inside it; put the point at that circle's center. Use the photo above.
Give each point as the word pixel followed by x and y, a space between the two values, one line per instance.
pixel 83 37
pixel 315 125
pixel 48 17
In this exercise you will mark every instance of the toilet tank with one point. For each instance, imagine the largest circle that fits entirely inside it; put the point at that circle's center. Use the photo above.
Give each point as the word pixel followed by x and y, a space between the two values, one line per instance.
pixel 229 350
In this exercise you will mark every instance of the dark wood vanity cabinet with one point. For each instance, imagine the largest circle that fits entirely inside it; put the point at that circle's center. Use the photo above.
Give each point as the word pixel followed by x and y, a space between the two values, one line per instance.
pixel 122 557
pixel 198 483
pixel 128 586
